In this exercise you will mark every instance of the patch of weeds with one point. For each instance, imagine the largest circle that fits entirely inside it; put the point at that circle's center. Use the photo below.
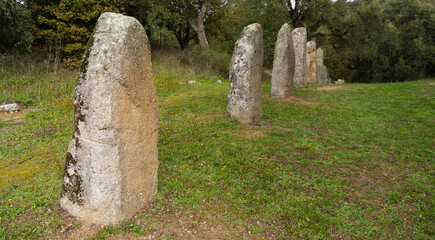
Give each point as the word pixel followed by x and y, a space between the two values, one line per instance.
pixel 255 229
pixel 392 197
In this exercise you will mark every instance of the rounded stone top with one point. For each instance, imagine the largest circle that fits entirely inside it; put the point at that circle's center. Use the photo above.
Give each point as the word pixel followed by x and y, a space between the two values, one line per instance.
pixel 252 28
pixel 299 31
pixel 311 46
pixel 286 27
pixel 110 22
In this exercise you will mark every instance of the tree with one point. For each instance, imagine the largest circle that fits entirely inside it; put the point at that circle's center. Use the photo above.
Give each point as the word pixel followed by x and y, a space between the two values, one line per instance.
pixel 68 23
pixel 296 11
pixel 198 25
pixel 415 22
pixel 15 26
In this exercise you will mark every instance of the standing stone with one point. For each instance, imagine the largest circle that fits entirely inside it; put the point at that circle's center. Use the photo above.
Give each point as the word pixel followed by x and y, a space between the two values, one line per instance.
pixel 322 71
pixel 312 67
pixel 244 93
pixel 111 164
pixel 319 62
pixel 328 79
pixel 283 64
pixel 300 44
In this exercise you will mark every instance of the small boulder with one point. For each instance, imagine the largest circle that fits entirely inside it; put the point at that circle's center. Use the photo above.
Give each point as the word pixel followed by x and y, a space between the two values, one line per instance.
pixel 339 81
pixel 10 108
pixel 192 82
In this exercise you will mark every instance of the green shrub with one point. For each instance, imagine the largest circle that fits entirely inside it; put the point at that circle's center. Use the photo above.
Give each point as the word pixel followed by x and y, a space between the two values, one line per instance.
pixel 207 61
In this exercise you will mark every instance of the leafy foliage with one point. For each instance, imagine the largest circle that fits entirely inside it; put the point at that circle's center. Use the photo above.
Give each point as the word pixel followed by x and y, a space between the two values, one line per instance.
pixel 15 30
pixel 68 23
pixel 363 40
pixel 373 41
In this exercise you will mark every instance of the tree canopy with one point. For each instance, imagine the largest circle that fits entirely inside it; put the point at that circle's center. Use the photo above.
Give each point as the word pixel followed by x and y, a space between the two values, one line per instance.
pixel 363 40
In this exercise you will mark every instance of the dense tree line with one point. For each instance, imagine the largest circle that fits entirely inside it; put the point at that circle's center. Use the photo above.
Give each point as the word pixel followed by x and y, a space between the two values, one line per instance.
pixel 364 40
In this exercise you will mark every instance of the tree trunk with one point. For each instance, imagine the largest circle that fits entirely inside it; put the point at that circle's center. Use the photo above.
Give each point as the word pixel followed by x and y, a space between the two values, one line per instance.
pixel 183 36
pixel 297 14
pixel 198 26
pixel 201 31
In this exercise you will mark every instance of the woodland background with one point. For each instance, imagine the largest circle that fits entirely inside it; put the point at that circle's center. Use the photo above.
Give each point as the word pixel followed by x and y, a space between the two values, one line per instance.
pixel 364 40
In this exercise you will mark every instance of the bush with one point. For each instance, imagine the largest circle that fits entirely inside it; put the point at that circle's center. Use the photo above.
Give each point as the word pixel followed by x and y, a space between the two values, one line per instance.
pixel 207 61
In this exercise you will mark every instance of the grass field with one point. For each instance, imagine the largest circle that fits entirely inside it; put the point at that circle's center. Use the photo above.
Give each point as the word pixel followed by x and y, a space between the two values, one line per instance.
pixel 354 161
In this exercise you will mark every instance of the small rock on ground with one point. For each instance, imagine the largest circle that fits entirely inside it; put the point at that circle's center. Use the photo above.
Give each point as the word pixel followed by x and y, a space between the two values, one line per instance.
pixel 10 108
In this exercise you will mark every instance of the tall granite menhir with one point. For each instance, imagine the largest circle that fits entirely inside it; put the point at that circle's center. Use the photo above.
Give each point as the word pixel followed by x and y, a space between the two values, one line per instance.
pixel 312 62
pixel 244 93
pixel 283 64
pixel 111 166
pixel 300 44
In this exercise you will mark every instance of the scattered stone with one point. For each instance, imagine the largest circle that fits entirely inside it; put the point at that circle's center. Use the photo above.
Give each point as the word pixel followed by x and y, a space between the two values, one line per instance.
pixel 10 108
pixel 339 81
pixel 244 93
pixel 192 82
pixel 283 64
pixel 300 44
pixel 111 164
pixel 180 83
pixel 219 81
pixel 312 62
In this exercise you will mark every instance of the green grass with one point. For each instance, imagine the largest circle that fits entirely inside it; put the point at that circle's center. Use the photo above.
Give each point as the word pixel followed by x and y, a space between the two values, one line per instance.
pixel 353 163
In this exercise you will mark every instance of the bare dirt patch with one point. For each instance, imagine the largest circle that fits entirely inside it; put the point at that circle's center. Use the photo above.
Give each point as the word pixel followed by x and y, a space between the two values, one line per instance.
pixel 14 117
pixel 426 92
pixel 432 84
pixel 252 132
pixel 331 88
pixel 161 219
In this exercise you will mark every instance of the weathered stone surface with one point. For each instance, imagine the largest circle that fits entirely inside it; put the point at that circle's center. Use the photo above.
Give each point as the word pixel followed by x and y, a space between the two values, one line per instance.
pixel 300 44
pixel 321 74
pixel 10 108
pixel 111 165
pixel 319 55
pixel 244 93
pixel 328 78
pixel 322 71
pixel 283 64
pixel 340 81
pixel 312 62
